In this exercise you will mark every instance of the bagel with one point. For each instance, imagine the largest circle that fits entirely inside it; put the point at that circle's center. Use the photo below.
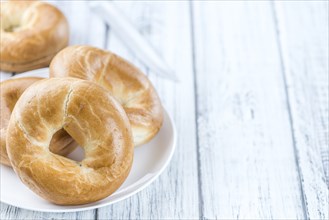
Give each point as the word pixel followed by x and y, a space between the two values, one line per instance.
pixel 123 80
pixel 93 118
pixel 32 32
pixel 10 91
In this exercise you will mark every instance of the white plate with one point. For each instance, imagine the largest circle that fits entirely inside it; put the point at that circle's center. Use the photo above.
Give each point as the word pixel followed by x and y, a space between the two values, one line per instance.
pixel 149 162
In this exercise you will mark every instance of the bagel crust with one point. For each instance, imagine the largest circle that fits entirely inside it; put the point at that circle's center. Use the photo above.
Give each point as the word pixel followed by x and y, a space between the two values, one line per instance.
pixel 93 118
pixel 123 80
pixel 10 91
pixel 32 32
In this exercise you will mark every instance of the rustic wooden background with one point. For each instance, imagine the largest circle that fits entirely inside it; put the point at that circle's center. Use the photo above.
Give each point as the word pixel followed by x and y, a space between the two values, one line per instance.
pixel 251 108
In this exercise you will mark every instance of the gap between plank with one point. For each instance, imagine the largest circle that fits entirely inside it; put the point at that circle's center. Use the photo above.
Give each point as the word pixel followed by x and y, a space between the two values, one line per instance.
pixel 200 196
pixel 107 35
pixel 96 214
pixel 291 122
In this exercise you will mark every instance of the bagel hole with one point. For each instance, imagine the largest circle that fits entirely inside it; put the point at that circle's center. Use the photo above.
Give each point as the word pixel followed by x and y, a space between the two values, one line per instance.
pixel 62 144
pixel 11 28
pixel 77 155
pixel 11 22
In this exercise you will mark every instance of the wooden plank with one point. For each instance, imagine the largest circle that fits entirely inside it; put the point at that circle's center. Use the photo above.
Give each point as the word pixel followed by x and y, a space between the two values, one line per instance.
pixel 174 194
pixel 85 28
pixel 303 37
pixel 11 212
pixel 248 166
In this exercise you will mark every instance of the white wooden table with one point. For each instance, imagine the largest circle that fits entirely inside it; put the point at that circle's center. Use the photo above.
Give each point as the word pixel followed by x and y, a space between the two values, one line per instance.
pixel 251 108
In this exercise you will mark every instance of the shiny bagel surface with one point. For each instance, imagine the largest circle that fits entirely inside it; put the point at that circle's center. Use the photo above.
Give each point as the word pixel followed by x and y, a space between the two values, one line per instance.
pixel 10 91
pixel 93 118
pixel 123 80
pixel 32 32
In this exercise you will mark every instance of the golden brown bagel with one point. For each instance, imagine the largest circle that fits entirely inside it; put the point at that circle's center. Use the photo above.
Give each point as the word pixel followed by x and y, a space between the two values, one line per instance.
pixel 93 118
pixel 125 82
pixel 10 91
pixel 32 32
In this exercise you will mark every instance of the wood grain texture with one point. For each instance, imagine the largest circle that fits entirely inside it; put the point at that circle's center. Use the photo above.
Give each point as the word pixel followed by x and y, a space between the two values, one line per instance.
pixel 248 167
pixel 303 36
pixel 166 25
pixel 10 212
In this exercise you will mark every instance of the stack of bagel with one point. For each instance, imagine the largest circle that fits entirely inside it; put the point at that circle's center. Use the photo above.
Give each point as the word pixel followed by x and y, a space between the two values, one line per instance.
pixel 93 98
